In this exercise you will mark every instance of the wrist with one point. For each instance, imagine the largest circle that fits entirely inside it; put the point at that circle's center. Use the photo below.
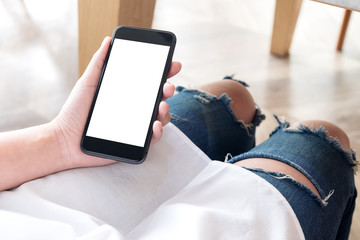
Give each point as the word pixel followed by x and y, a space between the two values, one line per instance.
pixel 28 154
pixel 62 154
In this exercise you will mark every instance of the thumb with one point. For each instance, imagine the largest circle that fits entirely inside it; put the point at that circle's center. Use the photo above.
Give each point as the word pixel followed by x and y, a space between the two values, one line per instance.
pixel 93 70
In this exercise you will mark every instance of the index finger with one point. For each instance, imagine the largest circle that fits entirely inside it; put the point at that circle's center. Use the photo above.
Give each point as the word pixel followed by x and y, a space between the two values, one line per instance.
pixel 174 69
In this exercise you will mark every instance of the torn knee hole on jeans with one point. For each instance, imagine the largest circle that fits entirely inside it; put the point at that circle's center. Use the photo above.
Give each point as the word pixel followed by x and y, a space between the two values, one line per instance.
pixel 208 98
pixel 226 100
pixel 281 176
pixel 324 201
pixel 323 134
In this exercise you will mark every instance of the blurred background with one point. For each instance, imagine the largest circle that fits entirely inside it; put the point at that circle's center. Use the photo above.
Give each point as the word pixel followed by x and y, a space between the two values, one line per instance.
pixel 39 59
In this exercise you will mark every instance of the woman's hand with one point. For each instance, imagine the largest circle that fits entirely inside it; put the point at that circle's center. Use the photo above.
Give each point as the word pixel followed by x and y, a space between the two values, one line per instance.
pixel 70 122
pixel 30 153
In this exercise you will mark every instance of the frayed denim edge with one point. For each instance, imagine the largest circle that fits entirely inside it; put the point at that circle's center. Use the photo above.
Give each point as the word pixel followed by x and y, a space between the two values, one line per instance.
pixel 281 176
pixel 231 77
pixel 322 133
pixel 205 98
pixel 281 159
pixel 282 125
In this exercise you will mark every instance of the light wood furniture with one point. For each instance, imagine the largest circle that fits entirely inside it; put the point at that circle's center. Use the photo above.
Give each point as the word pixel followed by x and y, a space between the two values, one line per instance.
pixel 98 19
pixel 343 29
pixel 286 15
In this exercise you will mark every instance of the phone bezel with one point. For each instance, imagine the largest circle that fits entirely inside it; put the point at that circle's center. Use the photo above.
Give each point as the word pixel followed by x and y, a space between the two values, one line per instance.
pixel 121 151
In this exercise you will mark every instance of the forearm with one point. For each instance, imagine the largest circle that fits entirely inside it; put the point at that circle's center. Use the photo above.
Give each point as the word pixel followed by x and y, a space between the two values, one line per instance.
pixel 28 154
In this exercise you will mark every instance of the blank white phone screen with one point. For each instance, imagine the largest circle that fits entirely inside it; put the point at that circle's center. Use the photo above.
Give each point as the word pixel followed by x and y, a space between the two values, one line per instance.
pixel 128 92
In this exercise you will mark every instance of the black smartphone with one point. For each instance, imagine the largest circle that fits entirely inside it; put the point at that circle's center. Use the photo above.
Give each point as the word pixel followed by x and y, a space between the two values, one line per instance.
pixel 125 105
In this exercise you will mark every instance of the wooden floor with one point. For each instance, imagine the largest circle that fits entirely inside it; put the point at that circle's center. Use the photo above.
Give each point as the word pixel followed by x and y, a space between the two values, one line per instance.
pixel 38 59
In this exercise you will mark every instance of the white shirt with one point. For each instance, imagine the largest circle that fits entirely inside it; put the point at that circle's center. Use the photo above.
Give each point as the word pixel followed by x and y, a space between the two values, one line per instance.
pixel 177 193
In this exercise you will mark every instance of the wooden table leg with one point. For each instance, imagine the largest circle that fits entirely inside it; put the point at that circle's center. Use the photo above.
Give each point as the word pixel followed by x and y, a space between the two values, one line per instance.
pixel 98 19
pixel 343 29
pixel 286 15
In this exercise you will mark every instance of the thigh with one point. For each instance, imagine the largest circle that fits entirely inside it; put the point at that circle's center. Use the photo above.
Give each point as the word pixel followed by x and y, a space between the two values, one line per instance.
pixel 210 123
pixel 325 164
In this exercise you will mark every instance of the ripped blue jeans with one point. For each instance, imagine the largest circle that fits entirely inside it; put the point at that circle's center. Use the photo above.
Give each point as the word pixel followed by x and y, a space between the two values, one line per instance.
pixel 210 123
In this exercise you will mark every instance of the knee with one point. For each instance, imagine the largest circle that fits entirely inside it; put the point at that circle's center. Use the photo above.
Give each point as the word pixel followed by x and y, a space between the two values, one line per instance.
pixel 332 129
pixel 242 103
